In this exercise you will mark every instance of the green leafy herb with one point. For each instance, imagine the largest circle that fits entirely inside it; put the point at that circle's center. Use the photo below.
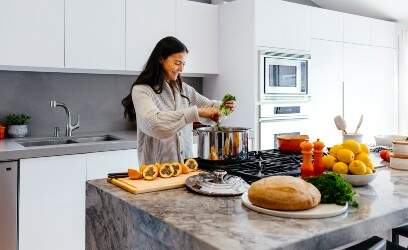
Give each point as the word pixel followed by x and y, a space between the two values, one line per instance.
pixel 17 119
pixel 334 189
pixel 226 111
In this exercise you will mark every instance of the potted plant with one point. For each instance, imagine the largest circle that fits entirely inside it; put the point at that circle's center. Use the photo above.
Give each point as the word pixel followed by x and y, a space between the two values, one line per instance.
pixel 17 125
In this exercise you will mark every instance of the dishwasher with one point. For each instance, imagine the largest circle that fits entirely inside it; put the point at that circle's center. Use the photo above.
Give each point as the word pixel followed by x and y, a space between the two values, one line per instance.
pixel 8 205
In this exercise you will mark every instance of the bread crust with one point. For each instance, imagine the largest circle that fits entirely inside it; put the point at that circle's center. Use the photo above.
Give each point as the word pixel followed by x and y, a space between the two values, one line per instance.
pixel 284 193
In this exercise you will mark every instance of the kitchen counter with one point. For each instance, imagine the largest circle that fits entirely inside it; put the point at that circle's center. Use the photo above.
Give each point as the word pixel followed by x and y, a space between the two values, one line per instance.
pixel 11 150
pixel 178 219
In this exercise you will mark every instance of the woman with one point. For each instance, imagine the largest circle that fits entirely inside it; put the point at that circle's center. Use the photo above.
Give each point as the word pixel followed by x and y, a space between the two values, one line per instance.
pixel 164 107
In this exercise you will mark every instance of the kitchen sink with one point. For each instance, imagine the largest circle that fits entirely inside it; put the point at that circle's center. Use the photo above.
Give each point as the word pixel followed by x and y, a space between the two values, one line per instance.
pixel 96 139
pixel 62 141
pixel 46 142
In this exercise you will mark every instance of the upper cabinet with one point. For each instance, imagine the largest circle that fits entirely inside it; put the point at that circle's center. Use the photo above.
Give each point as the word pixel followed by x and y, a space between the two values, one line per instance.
pixel 282 24
pixel 327 24
pixel 95 34
pixel 32 33
pixel 197 28
pixel 147 21
pixel 356 29
pixel 383 33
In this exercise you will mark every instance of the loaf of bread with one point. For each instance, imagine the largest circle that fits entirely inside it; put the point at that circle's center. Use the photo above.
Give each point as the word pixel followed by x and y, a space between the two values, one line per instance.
pixel 284 193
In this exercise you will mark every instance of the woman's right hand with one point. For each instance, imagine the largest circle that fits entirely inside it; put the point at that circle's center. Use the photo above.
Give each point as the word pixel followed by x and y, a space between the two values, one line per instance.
pixel 210 113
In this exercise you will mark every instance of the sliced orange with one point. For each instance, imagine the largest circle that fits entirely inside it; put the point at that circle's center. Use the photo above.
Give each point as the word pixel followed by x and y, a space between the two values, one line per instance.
pixel 150 172
pixel 192 164
pixel 177 168
pixel 166 170
pixel 134 174
pixel 184 168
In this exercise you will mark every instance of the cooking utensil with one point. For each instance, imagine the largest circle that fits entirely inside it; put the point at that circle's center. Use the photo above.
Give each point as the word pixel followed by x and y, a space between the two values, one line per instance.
pixel 118 175
pixel 291 143
pixel 216 183
pixel 359 123
pixel 340 123
pixel 222 143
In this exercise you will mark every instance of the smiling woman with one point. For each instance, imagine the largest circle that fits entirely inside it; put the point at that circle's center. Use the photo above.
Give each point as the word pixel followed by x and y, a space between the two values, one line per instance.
pixel 164 107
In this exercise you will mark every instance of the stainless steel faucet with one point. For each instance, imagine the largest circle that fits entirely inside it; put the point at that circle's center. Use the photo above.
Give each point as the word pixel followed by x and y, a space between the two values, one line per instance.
pixel 69 127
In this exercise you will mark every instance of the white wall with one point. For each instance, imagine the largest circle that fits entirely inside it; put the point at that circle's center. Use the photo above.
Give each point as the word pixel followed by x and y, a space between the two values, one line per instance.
pixel 403 82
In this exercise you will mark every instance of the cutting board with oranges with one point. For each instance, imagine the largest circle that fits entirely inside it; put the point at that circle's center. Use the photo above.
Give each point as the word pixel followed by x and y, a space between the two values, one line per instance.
pixel 144 186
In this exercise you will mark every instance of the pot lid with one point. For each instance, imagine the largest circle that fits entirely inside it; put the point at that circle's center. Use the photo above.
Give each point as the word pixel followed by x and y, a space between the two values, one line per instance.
pixel 217 183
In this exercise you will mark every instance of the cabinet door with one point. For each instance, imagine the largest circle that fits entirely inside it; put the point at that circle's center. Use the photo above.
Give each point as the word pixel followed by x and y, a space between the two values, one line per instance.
pixel 370 89
pixel 197 28
pixel 282 24
pixel 326 89
pixel 147 21
pixel 327 24
pixel 356 29
pixel 32 33
pixel 95 34
pixel 52 203
pixel 383 33
pixel 98 165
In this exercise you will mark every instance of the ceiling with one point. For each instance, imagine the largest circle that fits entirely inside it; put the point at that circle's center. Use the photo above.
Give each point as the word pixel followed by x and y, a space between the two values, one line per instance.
pixel 392 10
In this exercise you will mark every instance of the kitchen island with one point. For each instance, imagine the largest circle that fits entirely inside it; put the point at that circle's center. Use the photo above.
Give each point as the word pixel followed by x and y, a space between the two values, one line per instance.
pixel 179 219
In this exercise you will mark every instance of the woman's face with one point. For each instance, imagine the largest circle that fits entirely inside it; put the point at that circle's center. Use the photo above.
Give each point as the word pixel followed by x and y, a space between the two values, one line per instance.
pixel 173 65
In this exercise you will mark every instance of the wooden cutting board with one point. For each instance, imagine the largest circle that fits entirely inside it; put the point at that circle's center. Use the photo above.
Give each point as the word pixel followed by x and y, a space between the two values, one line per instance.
pixel 158 184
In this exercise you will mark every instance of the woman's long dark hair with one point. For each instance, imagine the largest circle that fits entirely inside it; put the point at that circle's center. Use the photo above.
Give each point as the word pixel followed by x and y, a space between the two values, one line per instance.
pixel 153 74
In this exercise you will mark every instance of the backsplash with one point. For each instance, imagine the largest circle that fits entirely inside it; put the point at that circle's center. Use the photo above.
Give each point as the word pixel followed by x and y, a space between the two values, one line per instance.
pixel 97 98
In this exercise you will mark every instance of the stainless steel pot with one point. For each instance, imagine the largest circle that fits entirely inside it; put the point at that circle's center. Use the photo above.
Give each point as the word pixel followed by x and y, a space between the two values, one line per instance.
pixel 222 143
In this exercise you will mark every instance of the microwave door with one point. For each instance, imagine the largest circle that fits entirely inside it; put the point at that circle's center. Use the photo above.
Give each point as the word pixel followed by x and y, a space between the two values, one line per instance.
pixel 282 76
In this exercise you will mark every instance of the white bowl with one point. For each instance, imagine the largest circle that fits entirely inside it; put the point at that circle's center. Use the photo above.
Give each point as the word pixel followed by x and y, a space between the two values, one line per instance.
pixel 386 140
pixel 400 147
pixel 359 180
pixel 399 162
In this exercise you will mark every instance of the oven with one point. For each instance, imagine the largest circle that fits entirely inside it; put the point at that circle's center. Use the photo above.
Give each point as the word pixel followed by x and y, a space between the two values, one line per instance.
pixel 283 73
pixel 282 118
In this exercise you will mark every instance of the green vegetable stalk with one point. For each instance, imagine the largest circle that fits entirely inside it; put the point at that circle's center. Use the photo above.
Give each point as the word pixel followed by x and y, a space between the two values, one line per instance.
pixel 225 111
pixel 334 189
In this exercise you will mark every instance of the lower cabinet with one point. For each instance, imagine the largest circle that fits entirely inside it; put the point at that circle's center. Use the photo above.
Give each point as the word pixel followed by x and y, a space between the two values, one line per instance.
pixel 52 196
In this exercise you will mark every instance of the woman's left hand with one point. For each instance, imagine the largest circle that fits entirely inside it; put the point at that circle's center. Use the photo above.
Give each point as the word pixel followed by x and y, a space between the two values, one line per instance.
pixel 231 105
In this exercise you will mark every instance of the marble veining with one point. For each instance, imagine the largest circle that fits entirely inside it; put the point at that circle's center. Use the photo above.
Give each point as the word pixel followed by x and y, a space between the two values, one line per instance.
pixel 179 219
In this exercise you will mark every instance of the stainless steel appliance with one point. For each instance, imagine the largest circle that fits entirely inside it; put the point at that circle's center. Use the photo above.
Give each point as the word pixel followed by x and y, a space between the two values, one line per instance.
pixel 222 143
pixel 283 74
pixel 8 207
pixel 282 118
pixel 260 164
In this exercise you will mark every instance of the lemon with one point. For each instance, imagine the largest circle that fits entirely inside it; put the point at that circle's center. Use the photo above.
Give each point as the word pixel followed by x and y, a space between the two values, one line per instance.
pixel 369 171
pixel 353 145
pixel 329 161
pixel 345 155
pixel 340 168
pixel 369 164
pixel 362 157
pixel 357 167
pixel 334 149
pixel 364 148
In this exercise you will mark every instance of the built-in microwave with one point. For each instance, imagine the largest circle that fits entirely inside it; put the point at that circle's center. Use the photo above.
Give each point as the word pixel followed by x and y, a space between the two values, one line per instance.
pixel 283 73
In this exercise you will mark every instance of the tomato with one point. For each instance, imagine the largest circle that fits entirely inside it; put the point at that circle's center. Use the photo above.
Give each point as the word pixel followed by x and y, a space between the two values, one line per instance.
pixel 385 155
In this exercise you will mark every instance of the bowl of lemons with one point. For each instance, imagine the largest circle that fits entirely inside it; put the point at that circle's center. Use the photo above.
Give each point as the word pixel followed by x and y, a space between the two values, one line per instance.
pixel 351 160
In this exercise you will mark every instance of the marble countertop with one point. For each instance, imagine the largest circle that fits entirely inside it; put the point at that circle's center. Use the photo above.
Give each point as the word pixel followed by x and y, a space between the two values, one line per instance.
pixel 11 150
pixel 189 221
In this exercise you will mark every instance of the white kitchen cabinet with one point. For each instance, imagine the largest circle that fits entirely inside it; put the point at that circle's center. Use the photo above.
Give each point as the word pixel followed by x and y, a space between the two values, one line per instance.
pixel 32 33
pixel 52 203
pixel 383 33
pixel 282 24
pixel 147 21
pixel 197 28
pixel 356 29
pixel 99 164
pixel 326 89
pixel 95 34
pixel 327 24
pixel 370 88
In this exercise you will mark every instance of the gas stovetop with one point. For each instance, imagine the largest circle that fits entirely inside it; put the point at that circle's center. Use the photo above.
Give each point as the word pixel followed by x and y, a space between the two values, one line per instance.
pixel 260 164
